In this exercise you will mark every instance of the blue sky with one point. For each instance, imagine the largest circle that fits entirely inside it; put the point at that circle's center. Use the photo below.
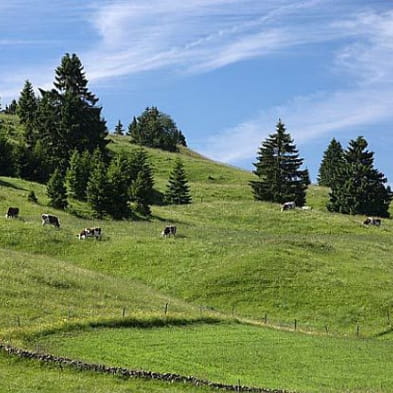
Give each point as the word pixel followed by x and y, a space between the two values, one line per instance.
pixel 225 70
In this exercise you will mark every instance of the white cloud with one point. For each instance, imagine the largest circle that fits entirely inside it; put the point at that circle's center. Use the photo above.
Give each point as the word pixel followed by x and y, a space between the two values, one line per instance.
pixel 368 64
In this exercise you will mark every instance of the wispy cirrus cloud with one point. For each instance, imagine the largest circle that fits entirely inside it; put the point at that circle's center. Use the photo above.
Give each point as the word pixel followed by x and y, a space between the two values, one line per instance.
pixel 367 65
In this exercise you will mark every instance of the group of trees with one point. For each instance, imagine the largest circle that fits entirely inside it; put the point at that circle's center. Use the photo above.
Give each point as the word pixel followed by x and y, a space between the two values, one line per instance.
pixel 64 144
pixel 356 186
pixel 153 128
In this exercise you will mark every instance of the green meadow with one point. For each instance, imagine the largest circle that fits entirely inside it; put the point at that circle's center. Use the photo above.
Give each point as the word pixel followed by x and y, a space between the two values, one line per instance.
pixel 232 259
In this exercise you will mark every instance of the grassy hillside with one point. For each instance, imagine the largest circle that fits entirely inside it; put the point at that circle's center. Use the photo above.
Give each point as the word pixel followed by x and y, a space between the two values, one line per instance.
pixel 232 255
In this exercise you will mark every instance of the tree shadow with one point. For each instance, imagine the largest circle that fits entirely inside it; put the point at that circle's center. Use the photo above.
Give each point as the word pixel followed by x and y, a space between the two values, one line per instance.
pixel 10 185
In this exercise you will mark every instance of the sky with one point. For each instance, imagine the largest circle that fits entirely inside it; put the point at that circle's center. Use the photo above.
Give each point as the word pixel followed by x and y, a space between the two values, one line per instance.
pixel 224 70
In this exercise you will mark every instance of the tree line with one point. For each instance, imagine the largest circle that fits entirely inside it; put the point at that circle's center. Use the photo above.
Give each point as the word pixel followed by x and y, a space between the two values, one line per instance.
pixel 356 186
pixel 64 144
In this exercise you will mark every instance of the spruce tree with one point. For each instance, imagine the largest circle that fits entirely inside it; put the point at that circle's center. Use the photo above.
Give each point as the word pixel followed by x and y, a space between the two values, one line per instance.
pixel 75 120
pixel 332 160
pixel 98 191
pixel 358 187
pixel 177 191
pixel 7 157
pixel 278 168
pixel 132 128
pixel 27 111
pixel 119 130
pixel 119 184
pixel 141 190
pixel 76 186
pixel 56 190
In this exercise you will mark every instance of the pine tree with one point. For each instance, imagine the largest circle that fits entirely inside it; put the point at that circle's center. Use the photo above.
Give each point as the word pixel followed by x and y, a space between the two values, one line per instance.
pixel 76 186
pixel 132 128
pixel 278 168
pixel 7 157
pixel 27 111
pixel 358 187
pixel 69 116
pixel 332 159
pixel 177 191
pixel 141 189
pixel 98 192
pixel 119 130
pixel 56 190
pixel 119 184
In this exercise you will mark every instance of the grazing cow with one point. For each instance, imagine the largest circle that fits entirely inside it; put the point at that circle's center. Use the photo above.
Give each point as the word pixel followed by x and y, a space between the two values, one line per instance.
pixel 168 231
pixel 288 206
pixel 12 212
pixel 49 219
pixel 372 221
pixel 90 232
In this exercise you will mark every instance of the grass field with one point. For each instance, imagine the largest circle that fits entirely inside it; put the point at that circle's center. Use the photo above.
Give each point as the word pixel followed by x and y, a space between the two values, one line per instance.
pixel 233 257
pixel 232 352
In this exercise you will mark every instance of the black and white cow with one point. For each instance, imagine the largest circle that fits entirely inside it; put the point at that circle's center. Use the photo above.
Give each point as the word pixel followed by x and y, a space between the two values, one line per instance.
pixel 50 219
pixel 12 212
pixel 169 230
pixel 372 221
pixel 288 206
pixel 90 232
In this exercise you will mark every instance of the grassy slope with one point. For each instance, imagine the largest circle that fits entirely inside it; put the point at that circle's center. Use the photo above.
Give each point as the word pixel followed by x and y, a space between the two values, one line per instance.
pixel 232 253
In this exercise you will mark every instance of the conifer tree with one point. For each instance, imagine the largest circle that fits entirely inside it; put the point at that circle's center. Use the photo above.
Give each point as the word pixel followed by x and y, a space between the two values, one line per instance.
pixel 98 192
pixel 141 190
pixel 76 186
pixel 132 128
pixel 119 184
pixel 332 160
pixel 278 168
pixel 177 191
pixel 119 130
pixel 75 119
pixel 27 111
pixel 7 158
pixel 358 187
pixel 56 190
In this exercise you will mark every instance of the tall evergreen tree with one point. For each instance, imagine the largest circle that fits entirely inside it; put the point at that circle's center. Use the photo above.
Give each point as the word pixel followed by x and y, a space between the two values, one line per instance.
pixel 332 160
pixel 278 168
pixel 132 128
pixel 7 158
pixel 56 190
pixel 358 187
pixel 98 191
pixel 27 111
pixel 75 119
pixel 177 191
pixel 76 186
pixel 119 184
pixel 119 130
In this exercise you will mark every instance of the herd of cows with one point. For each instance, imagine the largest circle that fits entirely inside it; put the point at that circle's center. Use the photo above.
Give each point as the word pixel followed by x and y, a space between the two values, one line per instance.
pixel 292 205
pixel 168 231
pixel 95 232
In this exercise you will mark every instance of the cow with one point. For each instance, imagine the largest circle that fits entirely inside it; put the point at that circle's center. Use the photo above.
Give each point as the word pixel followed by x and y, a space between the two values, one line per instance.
pixel 49 219
pixel 372 221
pixel 12 212
pixel 90 232
pixel 168 231
pixel 288 206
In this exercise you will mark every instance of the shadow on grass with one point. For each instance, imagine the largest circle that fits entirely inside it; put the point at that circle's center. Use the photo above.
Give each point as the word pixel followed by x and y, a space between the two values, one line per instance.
pixel 8 184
